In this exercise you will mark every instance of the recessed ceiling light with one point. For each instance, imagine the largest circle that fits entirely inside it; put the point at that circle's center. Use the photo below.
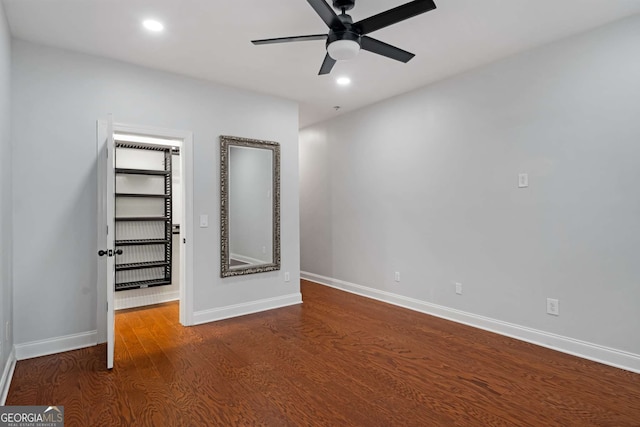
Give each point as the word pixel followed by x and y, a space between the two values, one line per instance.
pixel 343 81
pixel 153 25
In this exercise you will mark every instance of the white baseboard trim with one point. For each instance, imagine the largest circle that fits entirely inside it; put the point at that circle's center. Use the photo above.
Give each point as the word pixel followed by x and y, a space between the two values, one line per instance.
pixel 56 345
pixel 7 376
pixel 142 300
pixel 597 353
pixel 205 316
pixel 248 260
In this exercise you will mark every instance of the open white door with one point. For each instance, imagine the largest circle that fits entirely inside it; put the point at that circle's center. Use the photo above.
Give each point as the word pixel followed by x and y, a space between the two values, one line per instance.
pixel 106 227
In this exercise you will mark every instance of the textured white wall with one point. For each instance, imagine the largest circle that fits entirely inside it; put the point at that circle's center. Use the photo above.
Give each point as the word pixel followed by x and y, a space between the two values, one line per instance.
pixel 6 296
pixel 426 184
pixel 58 96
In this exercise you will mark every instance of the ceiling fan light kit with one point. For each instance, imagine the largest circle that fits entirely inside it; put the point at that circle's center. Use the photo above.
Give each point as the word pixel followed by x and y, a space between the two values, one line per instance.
pixel 346 38
pixel 341 50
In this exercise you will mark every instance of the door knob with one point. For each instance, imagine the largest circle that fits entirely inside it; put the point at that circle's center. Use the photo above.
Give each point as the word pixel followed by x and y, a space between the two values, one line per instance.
pixel 118 251
pixel 102 253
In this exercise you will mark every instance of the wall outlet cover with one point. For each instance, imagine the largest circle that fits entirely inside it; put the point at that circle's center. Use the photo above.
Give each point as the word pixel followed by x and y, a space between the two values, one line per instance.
pixel 553 307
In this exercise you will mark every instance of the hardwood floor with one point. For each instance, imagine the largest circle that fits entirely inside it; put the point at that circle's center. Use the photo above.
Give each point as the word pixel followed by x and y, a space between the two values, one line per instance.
pixel 336 360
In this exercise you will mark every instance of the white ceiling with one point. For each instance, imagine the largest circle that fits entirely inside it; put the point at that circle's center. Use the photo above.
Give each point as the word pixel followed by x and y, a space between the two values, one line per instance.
pixel 210 39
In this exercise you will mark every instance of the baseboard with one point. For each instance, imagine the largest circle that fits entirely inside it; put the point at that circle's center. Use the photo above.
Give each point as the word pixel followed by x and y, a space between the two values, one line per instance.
pixel 248 260
pixel 142 300
pixel 7 375
pixel 205 316
pixel 56 345
pixel 597 353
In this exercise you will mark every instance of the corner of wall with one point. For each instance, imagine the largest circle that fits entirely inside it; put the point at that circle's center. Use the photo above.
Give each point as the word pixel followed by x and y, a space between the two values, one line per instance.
pixel 7 375
pixel 7 349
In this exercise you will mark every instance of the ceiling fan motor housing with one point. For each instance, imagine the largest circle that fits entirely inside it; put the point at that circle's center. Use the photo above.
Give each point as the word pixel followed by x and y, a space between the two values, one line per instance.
pixel 344 4
pixel 348 40
pixel 342 35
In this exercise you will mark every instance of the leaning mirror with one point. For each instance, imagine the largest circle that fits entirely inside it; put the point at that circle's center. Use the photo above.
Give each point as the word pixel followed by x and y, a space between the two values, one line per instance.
pixel 249 206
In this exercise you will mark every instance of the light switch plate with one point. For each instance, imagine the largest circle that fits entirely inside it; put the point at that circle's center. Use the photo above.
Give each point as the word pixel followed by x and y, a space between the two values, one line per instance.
pixel 523 180
pixel 204 220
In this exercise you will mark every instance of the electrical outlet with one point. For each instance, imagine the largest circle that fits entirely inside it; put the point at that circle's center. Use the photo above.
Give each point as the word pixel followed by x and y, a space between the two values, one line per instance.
pixel 553 307
pixel 397 276
pixel 458 288
pixel 287 277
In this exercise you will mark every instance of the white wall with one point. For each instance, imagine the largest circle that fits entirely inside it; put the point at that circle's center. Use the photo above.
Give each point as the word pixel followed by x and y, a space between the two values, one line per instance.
pixel 176 190
pixel 426 184
pixel 6 297
pixel 58 96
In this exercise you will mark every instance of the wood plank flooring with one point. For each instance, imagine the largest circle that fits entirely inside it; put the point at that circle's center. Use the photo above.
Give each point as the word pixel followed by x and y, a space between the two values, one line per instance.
pixel 336 360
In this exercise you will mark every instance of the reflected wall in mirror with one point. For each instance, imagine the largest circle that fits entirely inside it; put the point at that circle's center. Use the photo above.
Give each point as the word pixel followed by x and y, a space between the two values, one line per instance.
pixel 249 206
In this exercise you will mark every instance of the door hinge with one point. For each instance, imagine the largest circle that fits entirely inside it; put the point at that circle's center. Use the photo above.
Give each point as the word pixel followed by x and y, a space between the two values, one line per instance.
pixel 184 241
pixel 107 230
pixel 107 306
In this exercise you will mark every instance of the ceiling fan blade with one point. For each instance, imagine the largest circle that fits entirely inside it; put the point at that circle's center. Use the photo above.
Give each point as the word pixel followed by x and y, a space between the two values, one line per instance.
pixel 290 39
pixel 393 16
pixel 327 14
pixel 384 49
pixel 327 65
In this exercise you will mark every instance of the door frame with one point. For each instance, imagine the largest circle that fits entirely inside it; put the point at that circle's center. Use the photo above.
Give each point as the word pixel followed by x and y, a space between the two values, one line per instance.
pixel 186 230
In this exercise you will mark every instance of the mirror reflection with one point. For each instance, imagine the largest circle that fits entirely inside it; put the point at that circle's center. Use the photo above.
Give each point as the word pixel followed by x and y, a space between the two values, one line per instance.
pixel 249 206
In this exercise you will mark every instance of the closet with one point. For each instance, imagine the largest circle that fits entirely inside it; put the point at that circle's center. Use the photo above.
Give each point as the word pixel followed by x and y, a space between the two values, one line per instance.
pixel 143 216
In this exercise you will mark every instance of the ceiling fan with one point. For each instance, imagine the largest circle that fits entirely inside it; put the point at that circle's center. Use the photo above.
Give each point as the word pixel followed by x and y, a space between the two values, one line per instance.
pixel 346 38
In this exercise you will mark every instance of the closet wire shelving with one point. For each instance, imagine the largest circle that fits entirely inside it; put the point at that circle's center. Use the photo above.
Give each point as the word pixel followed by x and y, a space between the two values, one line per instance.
pixel 145 240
